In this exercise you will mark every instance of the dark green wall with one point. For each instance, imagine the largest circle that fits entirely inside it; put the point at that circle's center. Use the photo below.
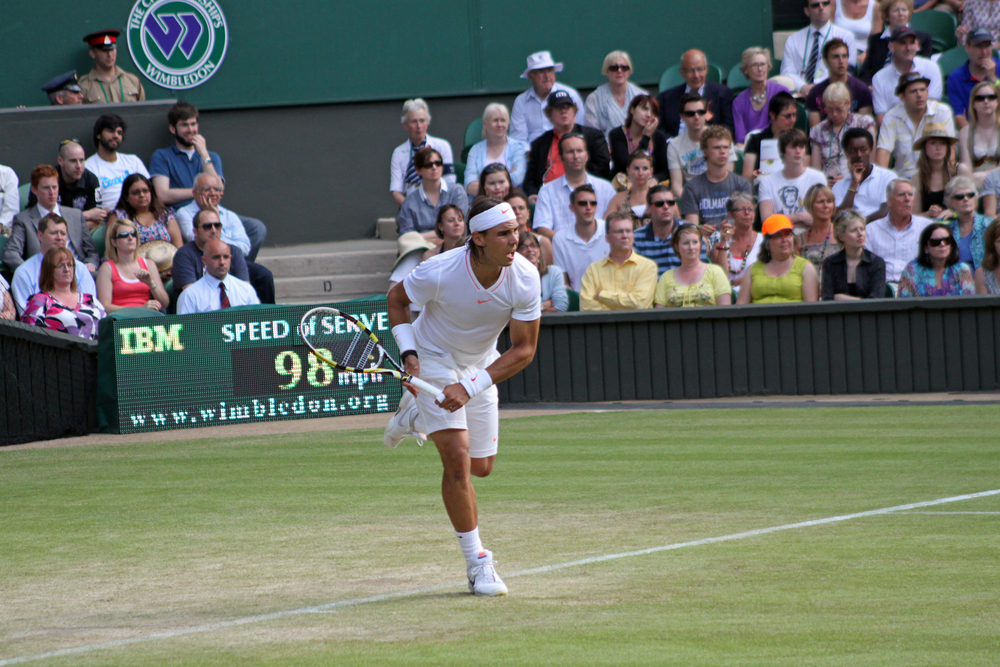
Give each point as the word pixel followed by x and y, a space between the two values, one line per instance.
pixel 315 51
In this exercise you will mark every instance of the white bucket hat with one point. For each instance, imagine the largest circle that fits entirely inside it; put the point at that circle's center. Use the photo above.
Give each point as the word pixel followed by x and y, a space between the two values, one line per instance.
pixel 409 243
pixel 541 60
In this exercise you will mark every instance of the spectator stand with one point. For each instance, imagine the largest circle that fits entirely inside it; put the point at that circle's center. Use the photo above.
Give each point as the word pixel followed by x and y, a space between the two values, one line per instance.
pixel 940 26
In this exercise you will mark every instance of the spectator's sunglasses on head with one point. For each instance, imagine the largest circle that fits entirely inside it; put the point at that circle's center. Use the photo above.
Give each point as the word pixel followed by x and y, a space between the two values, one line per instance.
pixel 124 235
pixel 660 203
pixel 210 225
pixel 76 141
pixel 494 168
pixel 696 112
pixel 619 68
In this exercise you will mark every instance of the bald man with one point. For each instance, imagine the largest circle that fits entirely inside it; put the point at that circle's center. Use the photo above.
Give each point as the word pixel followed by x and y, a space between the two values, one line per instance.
pixel 694 69
pixel 77 186
pixel 216 289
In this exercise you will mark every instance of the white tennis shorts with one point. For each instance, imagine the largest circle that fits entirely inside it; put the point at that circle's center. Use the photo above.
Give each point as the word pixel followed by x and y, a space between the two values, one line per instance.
pixel 480 416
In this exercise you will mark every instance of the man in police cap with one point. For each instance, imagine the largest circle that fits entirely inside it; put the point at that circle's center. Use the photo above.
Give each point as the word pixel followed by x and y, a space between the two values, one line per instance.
pixel 64 89
pixel 107 83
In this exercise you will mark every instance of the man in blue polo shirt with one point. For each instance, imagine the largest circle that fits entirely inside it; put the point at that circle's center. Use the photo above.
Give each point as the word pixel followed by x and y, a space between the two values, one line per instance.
pixel 174 169
pixel 981 66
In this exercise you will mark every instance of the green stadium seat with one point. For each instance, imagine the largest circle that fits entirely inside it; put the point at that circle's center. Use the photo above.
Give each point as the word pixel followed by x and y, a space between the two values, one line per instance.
pixel 473 135
pixel 802 122
pixel 939 25
pixel 951 59
pixel 23 190
pixel 98 235
pixel 735 80
pixel 671 77
pixel 3 268
pixel 574 301
pixel 460 172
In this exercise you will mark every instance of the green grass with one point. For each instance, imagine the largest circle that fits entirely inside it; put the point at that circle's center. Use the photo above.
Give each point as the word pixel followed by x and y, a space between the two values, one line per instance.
pixel 100 543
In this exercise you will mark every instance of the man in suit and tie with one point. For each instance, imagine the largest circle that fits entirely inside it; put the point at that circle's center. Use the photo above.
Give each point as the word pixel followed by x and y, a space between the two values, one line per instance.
pixel 694 69
pixel 23 241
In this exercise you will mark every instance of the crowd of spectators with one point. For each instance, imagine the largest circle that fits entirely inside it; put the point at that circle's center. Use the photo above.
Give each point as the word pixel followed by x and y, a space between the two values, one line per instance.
pixel 123 224
pixel 859 178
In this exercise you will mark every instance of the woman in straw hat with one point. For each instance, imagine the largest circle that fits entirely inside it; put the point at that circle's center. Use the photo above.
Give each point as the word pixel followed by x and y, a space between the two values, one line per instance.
pixel 935 167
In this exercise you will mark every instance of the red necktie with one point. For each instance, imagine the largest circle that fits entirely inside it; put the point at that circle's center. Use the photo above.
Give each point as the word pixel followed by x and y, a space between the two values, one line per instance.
pixel 223 297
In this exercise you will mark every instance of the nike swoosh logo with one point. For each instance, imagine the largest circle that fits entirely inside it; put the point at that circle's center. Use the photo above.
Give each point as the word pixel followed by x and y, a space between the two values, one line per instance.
pixel 478 301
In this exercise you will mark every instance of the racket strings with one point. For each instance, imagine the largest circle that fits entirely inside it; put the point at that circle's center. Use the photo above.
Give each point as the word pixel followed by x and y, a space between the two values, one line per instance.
pixel 359 351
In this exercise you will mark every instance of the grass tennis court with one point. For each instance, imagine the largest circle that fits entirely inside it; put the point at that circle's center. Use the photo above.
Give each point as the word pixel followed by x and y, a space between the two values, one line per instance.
pixel 197 538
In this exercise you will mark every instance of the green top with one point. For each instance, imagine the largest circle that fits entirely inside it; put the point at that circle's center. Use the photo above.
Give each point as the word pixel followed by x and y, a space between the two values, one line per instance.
pixel 767 289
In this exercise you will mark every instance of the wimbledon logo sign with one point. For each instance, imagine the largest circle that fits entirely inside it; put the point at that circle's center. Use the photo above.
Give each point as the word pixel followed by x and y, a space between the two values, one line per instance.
pixel 177 43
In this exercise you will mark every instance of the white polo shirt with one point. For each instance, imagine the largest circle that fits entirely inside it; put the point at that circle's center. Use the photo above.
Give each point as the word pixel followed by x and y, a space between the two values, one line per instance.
pixel 886 79
pixel 897 247
pixel 552 208
pixel 871 193
pixel 460 319
pixel 574 254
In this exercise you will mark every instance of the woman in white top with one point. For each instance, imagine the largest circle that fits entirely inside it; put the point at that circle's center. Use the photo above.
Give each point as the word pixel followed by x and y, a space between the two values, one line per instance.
pixel 979 141
pixel 632 202
pixel 735 246
pixel 496 147
pixel 856 16
pixel 607 106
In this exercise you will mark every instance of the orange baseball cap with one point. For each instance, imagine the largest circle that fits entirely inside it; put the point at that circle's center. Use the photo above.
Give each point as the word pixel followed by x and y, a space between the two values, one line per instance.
pixel 776 223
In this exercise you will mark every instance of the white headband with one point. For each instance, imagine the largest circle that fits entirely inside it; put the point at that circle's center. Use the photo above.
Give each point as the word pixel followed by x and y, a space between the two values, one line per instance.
pixel 490 218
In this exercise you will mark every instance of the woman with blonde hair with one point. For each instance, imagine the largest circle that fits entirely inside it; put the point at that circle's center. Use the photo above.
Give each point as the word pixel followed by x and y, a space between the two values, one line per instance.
pixel 632 202
pixel 828 153
pixel 750 106
pixel 496 147
pixel 818 241
pixel 608 105
pixel 935 167
pixel 979 141
pixel 126 281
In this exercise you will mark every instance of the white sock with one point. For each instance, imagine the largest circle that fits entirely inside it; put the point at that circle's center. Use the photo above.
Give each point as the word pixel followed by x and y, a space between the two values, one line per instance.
pixel 471 545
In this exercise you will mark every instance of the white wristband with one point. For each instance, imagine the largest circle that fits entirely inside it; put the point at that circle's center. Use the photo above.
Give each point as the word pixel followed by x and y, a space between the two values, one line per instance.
pixel 405 338
pixel 478 383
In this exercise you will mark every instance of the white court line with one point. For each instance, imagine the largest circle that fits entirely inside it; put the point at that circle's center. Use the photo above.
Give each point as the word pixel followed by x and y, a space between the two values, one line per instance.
pixel 179 632
pixel 952 512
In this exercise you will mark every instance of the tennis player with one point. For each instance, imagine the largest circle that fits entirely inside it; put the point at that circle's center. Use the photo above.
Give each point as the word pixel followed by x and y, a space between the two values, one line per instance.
pixel 466 296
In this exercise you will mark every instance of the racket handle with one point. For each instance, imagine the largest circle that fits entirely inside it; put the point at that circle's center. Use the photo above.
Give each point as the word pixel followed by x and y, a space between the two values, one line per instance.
pixel 425 386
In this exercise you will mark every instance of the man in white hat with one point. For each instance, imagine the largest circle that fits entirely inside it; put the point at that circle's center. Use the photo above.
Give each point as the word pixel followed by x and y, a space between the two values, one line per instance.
pixel 466 299
pixel 527 119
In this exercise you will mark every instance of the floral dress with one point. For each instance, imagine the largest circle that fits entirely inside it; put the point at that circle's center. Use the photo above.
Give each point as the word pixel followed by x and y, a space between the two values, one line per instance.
pixel 158 231
pixel 44 310
pixel 917 280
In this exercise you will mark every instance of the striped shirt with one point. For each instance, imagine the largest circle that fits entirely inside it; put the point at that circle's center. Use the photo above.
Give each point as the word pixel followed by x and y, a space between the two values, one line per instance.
pixel 898 247
pixel 659 250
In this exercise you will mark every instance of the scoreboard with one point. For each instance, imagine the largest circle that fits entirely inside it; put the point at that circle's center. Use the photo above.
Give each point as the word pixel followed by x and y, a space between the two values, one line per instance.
pixel 237 365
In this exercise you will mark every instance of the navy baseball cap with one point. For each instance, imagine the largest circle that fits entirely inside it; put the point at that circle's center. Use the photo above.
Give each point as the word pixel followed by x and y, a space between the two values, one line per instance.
pixel 559 98
pixel 900 33
pixel 978 36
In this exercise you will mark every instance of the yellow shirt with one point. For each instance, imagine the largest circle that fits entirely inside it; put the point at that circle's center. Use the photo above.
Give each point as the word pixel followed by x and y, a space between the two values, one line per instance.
pixel 97 91
pixel 713 284
pixel 625 287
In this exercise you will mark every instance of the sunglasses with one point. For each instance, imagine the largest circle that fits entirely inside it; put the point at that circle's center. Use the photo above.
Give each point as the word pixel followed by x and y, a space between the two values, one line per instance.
pixel 76 141
pixel 816 5
pixel 936 243
pixel 433 163
pixel 125 235
pixel 142 191
pixel 986 98
pixel 699 112
pixel 964 195
pixel 492 168
pixel 587 203
pixel 660 203
pixel 210 225
pixel 619 68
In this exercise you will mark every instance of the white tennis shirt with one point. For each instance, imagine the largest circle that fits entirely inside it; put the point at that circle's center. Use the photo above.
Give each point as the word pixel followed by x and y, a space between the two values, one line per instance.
pixel 460 320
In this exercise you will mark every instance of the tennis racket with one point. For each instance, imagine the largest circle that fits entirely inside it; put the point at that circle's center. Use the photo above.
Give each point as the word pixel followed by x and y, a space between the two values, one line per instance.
pixel 349 345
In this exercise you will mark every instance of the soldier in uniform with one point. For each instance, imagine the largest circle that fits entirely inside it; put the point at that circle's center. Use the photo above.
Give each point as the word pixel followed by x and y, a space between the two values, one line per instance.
pixel 64 89
pixel 107 83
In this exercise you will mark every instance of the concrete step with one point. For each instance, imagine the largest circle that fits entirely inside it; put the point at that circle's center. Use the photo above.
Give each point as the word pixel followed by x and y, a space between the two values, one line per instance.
pixel 327 259
pixel 385 228
pixel 318 301
pixel 331 287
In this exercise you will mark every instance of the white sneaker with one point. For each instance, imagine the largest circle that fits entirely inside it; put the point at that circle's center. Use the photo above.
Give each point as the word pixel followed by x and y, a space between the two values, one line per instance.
pixel 402 423
pixel 483 577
